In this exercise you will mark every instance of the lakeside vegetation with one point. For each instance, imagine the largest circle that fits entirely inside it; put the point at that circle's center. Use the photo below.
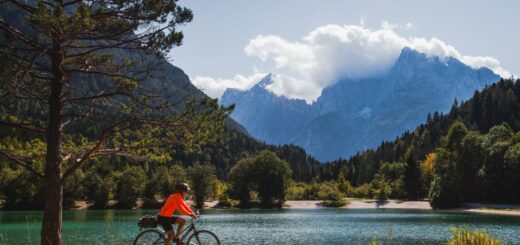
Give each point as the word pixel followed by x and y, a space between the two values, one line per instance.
pixel 461 165
pixel 466 236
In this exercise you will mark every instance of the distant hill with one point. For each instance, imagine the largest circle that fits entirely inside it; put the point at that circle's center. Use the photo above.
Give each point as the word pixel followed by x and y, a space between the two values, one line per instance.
pixel 355 115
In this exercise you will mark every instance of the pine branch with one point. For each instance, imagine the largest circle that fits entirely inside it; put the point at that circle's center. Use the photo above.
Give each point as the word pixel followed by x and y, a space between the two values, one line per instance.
pixel 27 126
pixel 21 163
pixel 21 36
pixel 86 156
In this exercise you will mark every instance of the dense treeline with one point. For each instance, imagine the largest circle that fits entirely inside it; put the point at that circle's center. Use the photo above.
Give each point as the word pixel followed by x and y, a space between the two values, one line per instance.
pixel 233 146
pixel 126 179
pixel 470 154
pixel 482 158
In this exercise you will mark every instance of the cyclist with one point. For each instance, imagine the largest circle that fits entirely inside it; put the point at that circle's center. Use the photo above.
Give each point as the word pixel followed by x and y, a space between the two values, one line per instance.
pixel 175 202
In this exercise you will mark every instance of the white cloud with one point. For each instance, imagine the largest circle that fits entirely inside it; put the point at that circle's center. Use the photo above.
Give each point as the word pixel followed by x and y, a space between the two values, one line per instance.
pixel 489 62
pixel 292 88
pixel 334 52
pixel 215 87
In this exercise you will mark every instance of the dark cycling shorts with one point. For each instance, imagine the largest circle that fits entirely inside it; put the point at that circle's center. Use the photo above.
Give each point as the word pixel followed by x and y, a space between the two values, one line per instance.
pixel 167 222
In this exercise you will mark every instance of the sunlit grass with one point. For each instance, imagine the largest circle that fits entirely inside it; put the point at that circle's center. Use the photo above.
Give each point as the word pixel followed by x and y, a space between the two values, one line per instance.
pixel 465 236
pixel 2 240
pixel 461 236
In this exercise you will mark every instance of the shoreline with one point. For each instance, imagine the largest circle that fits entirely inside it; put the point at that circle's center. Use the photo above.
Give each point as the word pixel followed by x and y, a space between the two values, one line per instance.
pixel 356 203
pixel 478 208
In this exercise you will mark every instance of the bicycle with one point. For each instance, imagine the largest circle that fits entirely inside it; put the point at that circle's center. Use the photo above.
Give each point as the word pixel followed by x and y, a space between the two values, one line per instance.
pixel 155 235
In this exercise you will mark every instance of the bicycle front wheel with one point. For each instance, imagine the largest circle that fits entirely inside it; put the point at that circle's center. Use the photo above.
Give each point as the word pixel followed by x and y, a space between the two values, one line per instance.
pixel 203 238
pixel 149 237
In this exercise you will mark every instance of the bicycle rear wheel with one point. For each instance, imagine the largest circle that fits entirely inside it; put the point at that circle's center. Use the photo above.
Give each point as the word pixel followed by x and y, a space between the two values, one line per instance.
pixel 149 237
pixel 203 238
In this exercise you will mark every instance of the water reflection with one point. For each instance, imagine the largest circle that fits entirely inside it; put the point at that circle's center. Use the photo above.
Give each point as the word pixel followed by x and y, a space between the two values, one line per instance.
pixel 293 226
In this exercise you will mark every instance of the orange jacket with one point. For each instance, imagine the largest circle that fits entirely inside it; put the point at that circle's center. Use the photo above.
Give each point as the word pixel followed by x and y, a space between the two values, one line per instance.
pixel 175 202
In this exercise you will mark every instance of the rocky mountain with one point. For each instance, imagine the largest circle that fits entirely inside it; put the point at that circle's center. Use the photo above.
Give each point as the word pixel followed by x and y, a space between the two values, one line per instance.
pixel 354 115
pixel 266 114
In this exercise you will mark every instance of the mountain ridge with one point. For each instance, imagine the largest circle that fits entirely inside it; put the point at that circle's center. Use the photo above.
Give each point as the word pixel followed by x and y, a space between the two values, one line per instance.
pixel 347 117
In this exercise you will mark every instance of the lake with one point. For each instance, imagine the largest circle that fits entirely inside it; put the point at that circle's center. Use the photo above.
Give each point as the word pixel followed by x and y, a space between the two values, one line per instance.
pixel 287 226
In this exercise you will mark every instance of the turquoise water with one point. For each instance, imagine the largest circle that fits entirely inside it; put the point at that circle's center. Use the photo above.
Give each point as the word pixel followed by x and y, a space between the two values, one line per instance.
pixel 288 226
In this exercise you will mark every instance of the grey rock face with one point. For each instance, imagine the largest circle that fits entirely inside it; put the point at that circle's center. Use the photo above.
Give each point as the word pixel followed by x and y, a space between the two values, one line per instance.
pixel 355 115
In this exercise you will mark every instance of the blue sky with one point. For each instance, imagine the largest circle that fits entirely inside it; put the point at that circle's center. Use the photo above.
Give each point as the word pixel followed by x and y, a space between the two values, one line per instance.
pixel 310 44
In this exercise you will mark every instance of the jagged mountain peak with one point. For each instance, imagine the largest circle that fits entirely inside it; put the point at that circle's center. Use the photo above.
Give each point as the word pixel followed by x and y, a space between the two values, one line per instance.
pixel 354 115
pixel 267 80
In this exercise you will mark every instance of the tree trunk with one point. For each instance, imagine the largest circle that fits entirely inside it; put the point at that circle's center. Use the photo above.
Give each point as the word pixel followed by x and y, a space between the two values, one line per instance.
pixel 53 201
pixel 53 185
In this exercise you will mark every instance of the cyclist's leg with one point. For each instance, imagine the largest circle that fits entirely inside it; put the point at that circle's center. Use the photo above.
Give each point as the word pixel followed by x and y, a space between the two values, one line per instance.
pixel 166 223
pixel 170 234
pixel 181 223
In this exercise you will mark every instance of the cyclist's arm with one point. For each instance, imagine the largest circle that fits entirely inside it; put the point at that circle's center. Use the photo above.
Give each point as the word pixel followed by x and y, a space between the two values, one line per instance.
pixel 185 209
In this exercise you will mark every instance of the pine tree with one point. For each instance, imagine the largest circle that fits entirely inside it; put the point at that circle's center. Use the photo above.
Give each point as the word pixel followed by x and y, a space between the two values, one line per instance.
pixel 82 67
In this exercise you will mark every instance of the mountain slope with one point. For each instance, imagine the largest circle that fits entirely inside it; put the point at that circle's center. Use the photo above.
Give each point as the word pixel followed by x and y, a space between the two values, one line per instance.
pixel 354 115
pixel 267 115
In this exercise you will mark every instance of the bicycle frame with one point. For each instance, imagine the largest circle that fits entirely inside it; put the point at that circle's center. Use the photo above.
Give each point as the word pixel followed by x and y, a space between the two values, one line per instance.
pixel 187 231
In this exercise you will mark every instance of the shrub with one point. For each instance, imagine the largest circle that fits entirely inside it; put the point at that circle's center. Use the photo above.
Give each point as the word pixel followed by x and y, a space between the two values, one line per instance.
pixel 264 173
pixel 297 192
pixel 463 236
pixel 226 201
pixel 362 191
pixel 130 185
pixel 202 180
pixel 331 195
pixel 334 203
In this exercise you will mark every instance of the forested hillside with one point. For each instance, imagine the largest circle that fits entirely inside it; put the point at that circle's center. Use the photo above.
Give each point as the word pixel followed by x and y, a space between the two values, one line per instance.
pixel 470 154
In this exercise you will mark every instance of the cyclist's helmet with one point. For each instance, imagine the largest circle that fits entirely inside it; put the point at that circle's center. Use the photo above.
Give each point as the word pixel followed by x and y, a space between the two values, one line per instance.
pixel 182 187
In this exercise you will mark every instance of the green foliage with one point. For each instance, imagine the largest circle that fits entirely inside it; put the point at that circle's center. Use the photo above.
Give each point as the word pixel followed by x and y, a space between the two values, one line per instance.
pixel 331 195
pixel 362 191
pixel 99 189
pixel 465 236
pixel 19 189
pixel 203 180
pixel 446 189
pixel 380 188
pixel 74 189
pixel 130 184
pixel 239 177
pixel 388 183
pixel 343 184
pixel 445 192
pixel 412 176
pixel 265 173
pixel 298 191
pixel 476 168
pixel 221 193
pixel 163 180
pixel 328 192
pixel 512 163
